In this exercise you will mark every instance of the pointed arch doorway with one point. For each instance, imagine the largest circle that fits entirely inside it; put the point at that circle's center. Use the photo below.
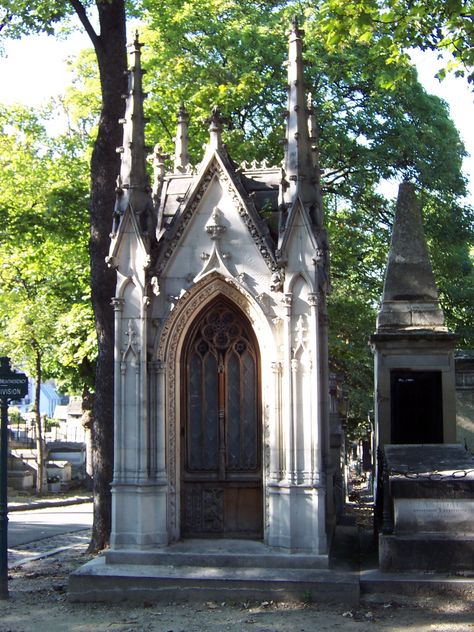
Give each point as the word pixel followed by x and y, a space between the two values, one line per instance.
pixel 221 430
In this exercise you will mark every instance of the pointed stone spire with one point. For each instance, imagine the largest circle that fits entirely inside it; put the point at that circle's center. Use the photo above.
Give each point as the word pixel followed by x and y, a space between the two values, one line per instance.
pixel 298 164
pixel 313 132
pixel 410 295
pixel 314 142
pixel 181 154
pixel 133 185
pixel 215 128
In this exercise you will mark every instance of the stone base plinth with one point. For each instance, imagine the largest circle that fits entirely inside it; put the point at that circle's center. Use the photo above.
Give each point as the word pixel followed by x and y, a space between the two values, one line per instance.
pixel 426 552
pixel 99 581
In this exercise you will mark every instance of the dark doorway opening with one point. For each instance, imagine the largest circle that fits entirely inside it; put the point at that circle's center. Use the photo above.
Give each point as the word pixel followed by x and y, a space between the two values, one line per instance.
pixel 221 437
pixel 416 407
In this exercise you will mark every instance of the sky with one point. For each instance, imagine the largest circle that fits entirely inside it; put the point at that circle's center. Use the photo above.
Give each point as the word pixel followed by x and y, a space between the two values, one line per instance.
pixel 35 69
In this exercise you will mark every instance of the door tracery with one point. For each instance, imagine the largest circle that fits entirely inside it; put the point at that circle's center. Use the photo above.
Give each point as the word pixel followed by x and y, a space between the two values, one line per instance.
pixel 221 455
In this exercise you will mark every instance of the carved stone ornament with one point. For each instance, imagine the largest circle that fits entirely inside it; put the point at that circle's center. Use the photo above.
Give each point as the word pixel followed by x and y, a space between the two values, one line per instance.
pixel 301 331
pixel 265 301
pixel 214 227
pixel 111 262
pixel 131 345
pixel 313 299
pixel 278 277
pixel 117 303
pixel 155 285
pixel 257 237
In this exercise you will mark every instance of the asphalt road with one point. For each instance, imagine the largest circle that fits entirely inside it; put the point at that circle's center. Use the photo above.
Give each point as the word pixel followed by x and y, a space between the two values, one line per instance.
pixel 36 524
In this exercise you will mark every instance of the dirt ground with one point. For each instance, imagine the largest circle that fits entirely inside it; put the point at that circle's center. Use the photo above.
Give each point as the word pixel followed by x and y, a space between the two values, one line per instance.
pixel 38 602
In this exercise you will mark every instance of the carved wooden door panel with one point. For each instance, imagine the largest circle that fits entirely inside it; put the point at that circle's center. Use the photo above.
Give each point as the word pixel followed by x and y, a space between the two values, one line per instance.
pixel 221 429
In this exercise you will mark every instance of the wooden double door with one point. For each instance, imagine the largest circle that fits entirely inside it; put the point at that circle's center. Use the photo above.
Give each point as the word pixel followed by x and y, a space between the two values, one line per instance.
pixel 221 443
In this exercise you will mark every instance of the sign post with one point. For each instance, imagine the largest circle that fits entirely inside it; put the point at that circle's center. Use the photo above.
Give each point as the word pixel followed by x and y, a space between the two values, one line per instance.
pixel 12 386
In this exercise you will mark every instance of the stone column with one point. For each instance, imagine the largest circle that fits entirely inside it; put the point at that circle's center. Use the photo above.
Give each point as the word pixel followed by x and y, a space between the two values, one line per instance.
pixel 317 442
pixel 158 443
pixel 118 421
pixel 276 447
pixel 288 420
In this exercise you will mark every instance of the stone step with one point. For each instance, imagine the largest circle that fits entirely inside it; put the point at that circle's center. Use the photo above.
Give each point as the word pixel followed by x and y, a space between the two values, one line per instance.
pixel 101 581
pixel 227 559
pixel 426 552
pixel 222 553
pixel 414 588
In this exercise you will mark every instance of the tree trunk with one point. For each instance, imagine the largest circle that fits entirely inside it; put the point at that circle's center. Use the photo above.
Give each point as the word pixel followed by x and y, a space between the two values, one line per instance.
pixel 87 406
pixel 40 473
pixel 110 47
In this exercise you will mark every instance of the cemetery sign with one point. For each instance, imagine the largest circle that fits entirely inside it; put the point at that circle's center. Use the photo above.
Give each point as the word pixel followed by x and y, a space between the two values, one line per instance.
pixel 12 386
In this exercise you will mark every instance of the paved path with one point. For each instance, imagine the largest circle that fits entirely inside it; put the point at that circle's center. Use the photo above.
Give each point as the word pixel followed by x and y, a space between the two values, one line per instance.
pixel 38 532
pixel 28 526
pixel 25 553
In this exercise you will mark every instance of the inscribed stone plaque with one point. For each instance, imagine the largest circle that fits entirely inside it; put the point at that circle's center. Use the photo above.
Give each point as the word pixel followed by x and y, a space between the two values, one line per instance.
pixel 434 515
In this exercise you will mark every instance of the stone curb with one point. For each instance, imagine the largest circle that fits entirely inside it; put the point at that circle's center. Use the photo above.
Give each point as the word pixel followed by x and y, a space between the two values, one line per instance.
pixel 44 504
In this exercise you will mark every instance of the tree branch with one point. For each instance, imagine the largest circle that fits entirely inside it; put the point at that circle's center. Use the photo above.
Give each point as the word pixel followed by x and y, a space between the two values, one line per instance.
pixel 82 15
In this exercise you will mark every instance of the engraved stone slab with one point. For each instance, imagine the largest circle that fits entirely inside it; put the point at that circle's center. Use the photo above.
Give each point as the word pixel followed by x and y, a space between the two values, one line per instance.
pixel 434 515
pixel 428 458
pixel 436 471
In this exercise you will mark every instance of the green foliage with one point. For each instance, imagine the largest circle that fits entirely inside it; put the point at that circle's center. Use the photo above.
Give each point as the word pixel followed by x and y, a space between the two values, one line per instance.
pixel 19 17
pixel 219 52
pixel 43 248
pixel 375 122
pixel 449 230
pixel 393 26
pixel 359 247
pixel 15 418
pixel 234 54
pixel 82 101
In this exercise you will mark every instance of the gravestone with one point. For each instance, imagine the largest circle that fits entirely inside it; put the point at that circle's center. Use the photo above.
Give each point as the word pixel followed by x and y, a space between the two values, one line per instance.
pixel 415 398
pixel 427 508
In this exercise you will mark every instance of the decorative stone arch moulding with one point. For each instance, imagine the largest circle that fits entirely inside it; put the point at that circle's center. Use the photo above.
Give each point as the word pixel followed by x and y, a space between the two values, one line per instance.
pixel 303 275
pixel 194 300
pixel 122 284
pixel 168 352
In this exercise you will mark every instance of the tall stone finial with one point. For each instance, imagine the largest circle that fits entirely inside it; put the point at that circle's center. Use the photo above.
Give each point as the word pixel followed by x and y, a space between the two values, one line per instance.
pixel 299 161
pixel 410 295
pixel 181 154
pixel 133 183
pixel 215 128
pixel 313 131
pixel 314 142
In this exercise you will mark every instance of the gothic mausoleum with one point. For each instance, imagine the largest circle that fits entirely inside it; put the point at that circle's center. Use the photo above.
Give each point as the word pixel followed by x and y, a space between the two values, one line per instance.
pixel 226 472
pixel 221 370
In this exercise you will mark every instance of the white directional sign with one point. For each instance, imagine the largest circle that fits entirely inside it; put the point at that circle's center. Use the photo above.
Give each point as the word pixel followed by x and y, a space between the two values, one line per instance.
pixel 12 385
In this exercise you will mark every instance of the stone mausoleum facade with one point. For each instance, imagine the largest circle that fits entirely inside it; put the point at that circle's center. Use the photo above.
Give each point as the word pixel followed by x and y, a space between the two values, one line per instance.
pixel 221 367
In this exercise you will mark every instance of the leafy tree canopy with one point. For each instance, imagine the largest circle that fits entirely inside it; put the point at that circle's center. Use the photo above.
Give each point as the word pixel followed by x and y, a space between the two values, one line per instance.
pixel 375 122
pixel 394 26
pixel 44 270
